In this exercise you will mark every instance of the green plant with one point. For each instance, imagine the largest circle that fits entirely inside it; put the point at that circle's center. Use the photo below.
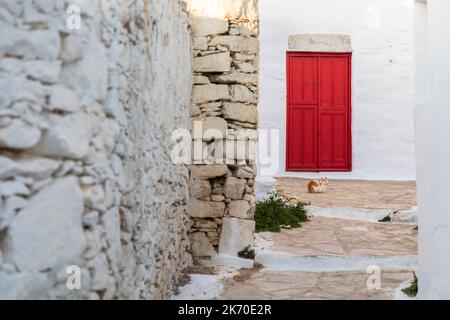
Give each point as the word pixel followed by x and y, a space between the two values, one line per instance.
pixel 247 253
pixel 279 211
pixel 386 219
pixel 412 290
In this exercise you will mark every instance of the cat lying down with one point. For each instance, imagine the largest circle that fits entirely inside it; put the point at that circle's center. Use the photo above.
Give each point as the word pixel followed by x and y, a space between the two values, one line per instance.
pixel 318 186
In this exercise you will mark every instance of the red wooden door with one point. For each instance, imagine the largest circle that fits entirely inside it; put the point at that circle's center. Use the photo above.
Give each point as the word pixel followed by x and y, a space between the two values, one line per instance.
pixel 319 112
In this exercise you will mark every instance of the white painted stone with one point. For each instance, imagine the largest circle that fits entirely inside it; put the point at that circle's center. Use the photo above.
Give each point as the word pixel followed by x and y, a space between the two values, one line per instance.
pixel 46 71
pixel 240 112
pixel 90 219
pixel 94 197
pixel 19 88
pixel 102 278
pixel 72 48
pixel 89 76
pixel 219 62
pixel 111 222
pixel 210 92
pixel 9 208
pixel 12 188
pixel 68 136
pixel 48 232
pixel 237 234
pixel 19 135
pixel 206 209
pixel 32 44
pixel 21 286
pixel 37 168
pixel 200 245
pixel 63 99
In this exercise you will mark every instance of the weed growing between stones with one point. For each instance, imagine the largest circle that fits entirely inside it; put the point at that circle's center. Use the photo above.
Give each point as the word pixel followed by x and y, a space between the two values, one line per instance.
pixel 279 212
pixel 386 219
pixel 247 253
pixel 412 290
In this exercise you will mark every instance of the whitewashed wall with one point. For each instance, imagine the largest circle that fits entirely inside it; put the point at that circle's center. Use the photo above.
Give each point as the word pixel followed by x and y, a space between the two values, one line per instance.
pixel 382 33
pixel 86 177
pixel 433 151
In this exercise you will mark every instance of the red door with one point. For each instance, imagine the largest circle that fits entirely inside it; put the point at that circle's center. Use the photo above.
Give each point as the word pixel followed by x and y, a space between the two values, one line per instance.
pixel 318 112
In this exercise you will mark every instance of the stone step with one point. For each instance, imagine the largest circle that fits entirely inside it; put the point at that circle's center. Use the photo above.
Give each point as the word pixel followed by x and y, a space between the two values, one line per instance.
pixel 329 244
pixel 297 285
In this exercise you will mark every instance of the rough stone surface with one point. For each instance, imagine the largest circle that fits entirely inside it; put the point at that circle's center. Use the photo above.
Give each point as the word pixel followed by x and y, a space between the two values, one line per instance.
pixel 236 235
pixel 236 43
pixel 86 118
pixel 234 188
pixel 240 112
pixel 206 26
pixel 206 209
pixel 226 70
pixel 19 135
pixel 201 247
pixel 239 209
pixel 210 92
pixel 320 43
pixel 56 213
pixel 219 62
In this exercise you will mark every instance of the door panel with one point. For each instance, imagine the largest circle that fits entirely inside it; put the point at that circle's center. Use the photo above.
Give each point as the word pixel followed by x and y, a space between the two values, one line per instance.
pixel 319 112
pixel 332 140
pixel 333 112
pixel 303 80
pixel 303 137
pixel 333 75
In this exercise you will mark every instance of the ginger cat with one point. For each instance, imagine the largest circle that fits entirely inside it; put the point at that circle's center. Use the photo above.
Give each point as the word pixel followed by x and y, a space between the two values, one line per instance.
pixel 318 186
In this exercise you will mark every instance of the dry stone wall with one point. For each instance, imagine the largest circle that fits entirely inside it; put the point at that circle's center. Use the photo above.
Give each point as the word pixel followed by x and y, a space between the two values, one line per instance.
pixel 86 117
pixel 225 116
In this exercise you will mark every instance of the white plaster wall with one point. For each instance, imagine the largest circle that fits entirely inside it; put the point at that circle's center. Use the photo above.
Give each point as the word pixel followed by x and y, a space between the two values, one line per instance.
pixel 383 77
pixel 433 156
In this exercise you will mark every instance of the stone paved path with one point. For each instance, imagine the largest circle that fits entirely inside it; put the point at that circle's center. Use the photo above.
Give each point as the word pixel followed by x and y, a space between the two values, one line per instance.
pixel 328 257
pixel 295 285
pixel 357 194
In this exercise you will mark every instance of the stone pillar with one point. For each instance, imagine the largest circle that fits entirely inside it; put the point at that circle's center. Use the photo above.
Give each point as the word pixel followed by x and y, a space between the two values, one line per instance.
pixel 225 116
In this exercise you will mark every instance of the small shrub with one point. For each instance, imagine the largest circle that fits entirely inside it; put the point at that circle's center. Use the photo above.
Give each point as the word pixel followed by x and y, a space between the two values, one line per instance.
pixel 386 219
pixel 412 290
pixel 278 212
pixel 247 253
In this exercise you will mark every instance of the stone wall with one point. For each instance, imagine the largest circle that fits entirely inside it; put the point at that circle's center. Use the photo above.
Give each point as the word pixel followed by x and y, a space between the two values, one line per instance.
pixel 86 118
pixel 225 116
